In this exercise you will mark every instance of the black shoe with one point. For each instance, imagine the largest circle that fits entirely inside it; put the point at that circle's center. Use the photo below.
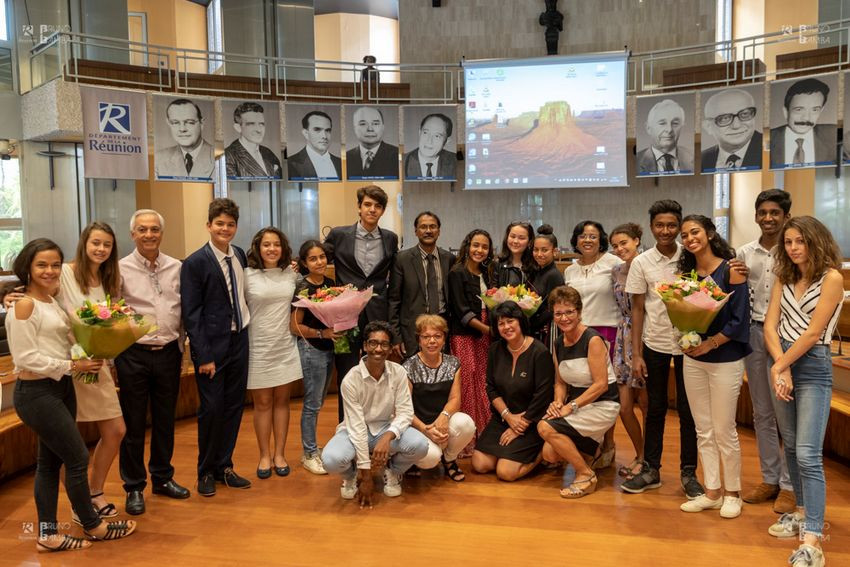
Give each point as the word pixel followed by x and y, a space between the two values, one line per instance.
pixel 282 471
pixel 263 474
pixel 171 489
pixel 647 479
pixel 693 489
pixel 206 485
pixel 135 503
pixel 233 480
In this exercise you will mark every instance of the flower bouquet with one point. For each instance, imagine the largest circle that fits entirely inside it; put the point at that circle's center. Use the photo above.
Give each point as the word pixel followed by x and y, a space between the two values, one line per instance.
pixel 338 308
pixel 692 304
pixel 527 299
pixel 105 329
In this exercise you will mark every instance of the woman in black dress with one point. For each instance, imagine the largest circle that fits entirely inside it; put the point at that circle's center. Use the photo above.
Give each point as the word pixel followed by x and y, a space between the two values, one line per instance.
pixel 520 374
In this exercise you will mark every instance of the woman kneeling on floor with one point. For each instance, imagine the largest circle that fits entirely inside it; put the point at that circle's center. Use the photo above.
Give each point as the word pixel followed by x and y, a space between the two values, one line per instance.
pixel 586 399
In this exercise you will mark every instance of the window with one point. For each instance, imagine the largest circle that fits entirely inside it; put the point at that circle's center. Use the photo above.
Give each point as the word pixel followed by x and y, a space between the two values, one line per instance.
pixel 214 37
pixel 11 226
pixel 4 21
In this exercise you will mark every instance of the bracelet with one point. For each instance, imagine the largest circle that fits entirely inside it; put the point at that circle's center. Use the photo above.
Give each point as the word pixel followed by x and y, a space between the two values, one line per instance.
pixel 502 415
pixel 714 342
pixel 319 333
pixel 574 406
pixel 447 414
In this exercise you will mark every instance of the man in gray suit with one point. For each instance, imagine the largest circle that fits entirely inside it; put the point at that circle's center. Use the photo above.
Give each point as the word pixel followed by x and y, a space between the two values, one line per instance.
pixel 430 160
pixel 192 157
pixel 664 124
pixel 802 141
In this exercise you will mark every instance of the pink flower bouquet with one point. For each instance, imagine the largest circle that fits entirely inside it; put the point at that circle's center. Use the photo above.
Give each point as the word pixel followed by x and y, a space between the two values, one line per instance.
pixel 692 304
pixel 527 299
pixel 105 329
pixel 338 308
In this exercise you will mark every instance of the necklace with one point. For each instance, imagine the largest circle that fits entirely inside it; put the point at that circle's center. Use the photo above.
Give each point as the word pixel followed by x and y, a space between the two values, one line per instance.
pixel 586 268
pixel 522 346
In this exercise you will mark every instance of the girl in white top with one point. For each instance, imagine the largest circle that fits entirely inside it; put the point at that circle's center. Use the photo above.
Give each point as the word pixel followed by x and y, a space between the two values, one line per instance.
pixel 93 275
pixel 590 275
pixel 273 360
pixel 801 317
pixel 39 341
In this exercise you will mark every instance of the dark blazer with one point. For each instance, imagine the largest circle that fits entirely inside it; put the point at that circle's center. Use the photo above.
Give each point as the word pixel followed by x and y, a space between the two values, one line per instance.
pixel 349 272
pixel 465 299
pixel 752 159
pixel 300 167
pixel 646 162
pixel 241 164
pixel 384 165
pixel 168 162
pixel 446 167
pixel 407 299
pixel 826 145
pixel 205 303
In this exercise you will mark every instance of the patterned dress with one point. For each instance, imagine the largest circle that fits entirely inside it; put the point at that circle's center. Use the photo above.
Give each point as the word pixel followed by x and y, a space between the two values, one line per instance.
pixel 623 342
pixel 472 351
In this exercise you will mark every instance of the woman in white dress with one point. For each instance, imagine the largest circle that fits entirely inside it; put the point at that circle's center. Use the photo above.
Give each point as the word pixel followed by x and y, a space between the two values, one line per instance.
pixel 273 361
pixel 93 275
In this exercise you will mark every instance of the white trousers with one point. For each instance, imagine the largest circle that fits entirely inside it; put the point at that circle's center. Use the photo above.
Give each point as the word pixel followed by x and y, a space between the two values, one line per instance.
pixel 713 389
pixel 461 430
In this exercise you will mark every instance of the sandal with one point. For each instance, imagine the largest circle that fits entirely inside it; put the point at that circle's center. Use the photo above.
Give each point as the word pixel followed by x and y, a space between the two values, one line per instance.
pixel 604 459
pixel 453 470
pixel 628 471
pixel 67 543
pixel 108 511
pixel 114 530
pixel 574 491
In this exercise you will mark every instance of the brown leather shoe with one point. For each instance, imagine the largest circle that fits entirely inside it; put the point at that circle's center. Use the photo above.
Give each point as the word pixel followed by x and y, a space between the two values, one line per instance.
pixel 761 493
pixel 785 503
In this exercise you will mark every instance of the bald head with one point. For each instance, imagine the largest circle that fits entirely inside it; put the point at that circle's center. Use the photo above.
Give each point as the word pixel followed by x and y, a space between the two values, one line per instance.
pixel 730 116
pixel 664 124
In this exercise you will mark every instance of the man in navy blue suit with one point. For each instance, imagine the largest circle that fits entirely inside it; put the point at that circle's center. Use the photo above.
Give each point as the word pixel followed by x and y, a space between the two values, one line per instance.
pixel 212 286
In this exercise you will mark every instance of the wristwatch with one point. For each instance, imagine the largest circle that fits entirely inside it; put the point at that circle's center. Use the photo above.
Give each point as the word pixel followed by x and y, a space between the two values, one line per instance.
pixel 574 406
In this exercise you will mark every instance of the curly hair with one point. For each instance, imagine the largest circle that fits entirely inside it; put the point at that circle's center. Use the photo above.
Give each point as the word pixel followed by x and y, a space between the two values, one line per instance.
pixel 719 247
pixel 630 229
pixel 255 259
pixel 463 253
pixel 822 250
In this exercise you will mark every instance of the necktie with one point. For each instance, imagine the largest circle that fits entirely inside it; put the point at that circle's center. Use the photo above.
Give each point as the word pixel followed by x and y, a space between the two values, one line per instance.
pixel 189 163
pixel 799 154
pixel 429 172
pixel 234 294
pixel 370 155
pixel 732 161
pixel 668 162
pixel 431 289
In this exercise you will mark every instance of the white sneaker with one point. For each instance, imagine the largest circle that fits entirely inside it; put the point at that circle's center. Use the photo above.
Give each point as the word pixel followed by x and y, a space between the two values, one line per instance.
pixel 731 507
pixel 392 483
pixel 313 463
pixel 807 556
pixel 348 489
pixel 788 525
pixel 700 503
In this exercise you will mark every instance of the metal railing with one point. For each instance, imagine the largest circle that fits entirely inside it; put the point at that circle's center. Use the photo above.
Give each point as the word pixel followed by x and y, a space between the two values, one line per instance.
pixel 178 69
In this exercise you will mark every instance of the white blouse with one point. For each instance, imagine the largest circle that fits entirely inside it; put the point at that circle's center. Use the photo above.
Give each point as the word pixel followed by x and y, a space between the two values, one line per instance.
pixel 41 343
pixel 595 284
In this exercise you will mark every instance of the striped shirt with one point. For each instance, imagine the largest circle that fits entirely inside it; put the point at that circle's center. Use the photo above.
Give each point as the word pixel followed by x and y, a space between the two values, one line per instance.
pixel 796 316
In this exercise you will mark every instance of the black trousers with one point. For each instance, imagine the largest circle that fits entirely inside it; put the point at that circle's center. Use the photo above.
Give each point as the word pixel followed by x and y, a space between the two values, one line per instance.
pixel 49 408
pixel 658 372
pixel 220 412
pixel 344 363
pixel 148 375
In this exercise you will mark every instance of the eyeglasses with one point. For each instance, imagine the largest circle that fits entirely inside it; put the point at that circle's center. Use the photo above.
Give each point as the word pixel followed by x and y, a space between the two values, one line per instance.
pixel 155 282
pixel 428 338
pixel 373 344
pixel 588 237
pixel 743 115
pixel 564 314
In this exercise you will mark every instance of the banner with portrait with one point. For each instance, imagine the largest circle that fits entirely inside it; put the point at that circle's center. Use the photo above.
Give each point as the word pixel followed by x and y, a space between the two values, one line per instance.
pixel 115 133
pixel 251 130
pixel 183 138
pixel 664 134
pixel 732 123
pixel 371 142
pixel 430 144
pixel 313 142
pixel 804 122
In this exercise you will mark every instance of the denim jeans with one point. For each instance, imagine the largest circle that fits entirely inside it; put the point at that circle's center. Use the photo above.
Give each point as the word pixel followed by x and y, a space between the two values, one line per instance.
pixel 339 456
pixel 802 424
pixel 317 367
pixel 49 408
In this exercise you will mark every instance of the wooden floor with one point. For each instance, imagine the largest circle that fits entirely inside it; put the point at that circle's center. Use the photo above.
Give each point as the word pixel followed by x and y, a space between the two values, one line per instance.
pixel 301 520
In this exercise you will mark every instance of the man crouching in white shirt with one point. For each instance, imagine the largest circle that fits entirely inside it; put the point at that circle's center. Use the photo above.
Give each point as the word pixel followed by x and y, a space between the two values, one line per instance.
pixel 376 432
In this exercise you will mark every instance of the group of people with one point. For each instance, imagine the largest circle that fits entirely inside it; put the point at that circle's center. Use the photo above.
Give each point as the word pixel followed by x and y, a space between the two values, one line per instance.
pixel 508 390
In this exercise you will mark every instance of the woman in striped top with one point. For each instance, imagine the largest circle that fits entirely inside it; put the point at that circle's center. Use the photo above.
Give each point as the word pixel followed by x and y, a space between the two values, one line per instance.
pixel 798 328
